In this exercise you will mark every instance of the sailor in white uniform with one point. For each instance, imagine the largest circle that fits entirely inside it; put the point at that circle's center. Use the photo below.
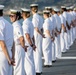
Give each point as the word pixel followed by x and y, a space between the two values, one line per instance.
pixel 72 26
pixel 28 31
pixel 37 23
pixel 6 44
pixel 58 31
pixel 75 20
pixel 65 15
pixel 49 8
pixel 73 16
pixel 47 41
pixel 15 16
pixel 63 30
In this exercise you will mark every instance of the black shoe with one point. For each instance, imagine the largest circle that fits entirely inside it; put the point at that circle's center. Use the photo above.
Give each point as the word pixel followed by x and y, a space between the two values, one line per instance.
pixel 38 73
pixel 41 72
pixel 47 66
pixel 54 61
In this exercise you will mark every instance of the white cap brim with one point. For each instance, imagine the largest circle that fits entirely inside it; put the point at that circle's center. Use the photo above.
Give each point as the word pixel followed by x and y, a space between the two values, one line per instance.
pixel 13 10
pixel 63 7
pixel 25 9
pixel 46 11
pixel 1 7
pixel 56 9
pixel 33 5
pixel 48 7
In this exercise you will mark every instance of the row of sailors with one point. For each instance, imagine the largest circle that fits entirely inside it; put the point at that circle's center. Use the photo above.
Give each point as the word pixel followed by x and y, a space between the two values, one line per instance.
pixel 25 53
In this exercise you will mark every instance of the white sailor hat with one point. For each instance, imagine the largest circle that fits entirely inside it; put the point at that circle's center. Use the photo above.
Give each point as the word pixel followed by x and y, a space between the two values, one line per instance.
pixel 71 7
pixel 13 10
pixel 56 9
pixel 1 7
pixel 46 12
pixel 67 8
pixel 48 7
pixel 74 9
pixel 63 6
pixel 25 9
pixel 34 5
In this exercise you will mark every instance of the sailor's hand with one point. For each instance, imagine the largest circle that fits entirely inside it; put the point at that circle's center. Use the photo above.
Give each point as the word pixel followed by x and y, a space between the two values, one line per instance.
pixel 56 34
pixel 52 38
pixel 34 47
pixel 25 48
pixel 11 62
pixel 43 36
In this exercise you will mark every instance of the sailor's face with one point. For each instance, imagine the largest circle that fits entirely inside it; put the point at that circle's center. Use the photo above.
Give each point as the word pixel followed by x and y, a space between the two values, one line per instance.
pixel 44 15
pixel 23 15
pixel 31 10
pixel 12 17
pixel 62 10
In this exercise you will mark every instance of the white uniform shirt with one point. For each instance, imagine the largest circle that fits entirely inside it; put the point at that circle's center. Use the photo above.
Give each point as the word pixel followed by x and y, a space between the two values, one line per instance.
pixel 65 15
pixel 74 15
pixel 69 20
pixel 58 21
pixel 28 28
pixel 53 20
pixel 6 33
pixel 47 26
pixel 37 21
pixel 61 17
pixel 17 29
pixel 63 21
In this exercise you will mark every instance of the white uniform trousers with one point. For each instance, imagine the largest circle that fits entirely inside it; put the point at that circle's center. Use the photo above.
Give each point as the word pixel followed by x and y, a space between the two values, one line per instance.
pixel 58 46
pixel 5 68
pixel 29 62
pixel 19 60
pixel 47 51
pixel 53 51
pixel 66 41
pixel 75 32
pixel 71 32
pixel 62 42
pixel 69 38
pixel 38 53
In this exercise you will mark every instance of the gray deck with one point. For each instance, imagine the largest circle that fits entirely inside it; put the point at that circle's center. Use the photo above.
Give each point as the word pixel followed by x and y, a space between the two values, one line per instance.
pixel 65 65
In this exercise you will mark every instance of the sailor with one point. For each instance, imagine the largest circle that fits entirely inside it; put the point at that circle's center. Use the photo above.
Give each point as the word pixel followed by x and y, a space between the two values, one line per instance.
pixel 58 31
pixel 28 31
pixel 47 41
pixel 65 15
pixel 6 44
pixel 53 21
pixel 15 16
pixel 69 20
pixel 63 31
pixel 37 23
pixel 75 20
pixel 72 25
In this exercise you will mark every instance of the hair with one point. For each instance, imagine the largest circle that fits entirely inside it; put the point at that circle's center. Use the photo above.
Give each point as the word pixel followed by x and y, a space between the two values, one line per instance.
pixel 35 9
pixel 47 14
pixel 1 12
pixel 18 14
pixel 64 9
pixel 27 14
pixel 50 10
